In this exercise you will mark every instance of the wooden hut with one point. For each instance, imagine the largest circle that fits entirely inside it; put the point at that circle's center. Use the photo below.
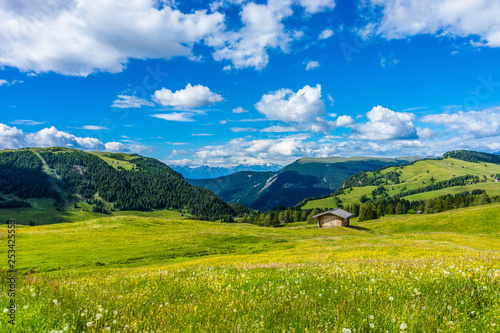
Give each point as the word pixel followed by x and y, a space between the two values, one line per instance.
pixel 333 218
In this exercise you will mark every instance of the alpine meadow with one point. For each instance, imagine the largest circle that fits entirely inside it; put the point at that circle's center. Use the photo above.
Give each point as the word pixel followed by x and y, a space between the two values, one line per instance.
pixel 249 166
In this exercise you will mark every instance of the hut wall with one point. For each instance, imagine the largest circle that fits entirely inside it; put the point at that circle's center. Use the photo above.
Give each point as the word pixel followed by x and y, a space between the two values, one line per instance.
pixel 327 221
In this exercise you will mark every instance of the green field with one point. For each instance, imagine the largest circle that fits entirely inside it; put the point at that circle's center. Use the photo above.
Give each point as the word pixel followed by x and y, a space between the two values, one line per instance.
pixel 415 176
pixel 157 274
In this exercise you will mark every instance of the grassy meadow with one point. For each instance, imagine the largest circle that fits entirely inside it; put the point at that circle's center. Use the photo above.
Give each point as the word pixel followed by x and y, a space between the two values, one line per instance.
pixel 409 273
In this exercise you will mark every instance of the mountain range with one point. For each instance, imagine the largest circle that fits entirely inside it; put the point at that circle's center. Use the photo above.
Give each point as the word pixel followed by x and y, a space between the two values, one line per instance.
pixel 306 177
pixel 205 171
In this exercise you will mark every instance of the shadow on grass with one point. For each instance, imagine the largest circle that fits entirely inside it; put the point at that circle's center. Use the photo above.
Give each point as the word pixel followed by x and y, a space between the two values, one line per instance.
pixel 355 227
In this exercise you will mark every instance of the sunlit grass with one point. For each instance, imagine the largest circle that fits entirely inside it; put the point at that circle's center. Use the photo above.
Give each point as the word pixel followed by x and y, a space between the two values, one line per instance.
pixel 142 274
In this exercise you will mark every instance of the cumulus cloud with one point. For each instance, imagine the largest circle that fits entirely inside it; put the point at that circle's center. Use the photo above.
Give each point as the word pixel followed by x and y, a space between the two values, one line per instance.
pixel 304 109
pixel 51 136
pixel 127 148
pixel 325 34
pixel 344 121
pixel 78 38
pixel 2 82
pixel 262 30
pixel 401 19
pixel 125 101
pixel 12 137
pixel 312 65
pixel 385 124
pixel 239 109
pixel 477 123
pixel 176 116
pixel 189 97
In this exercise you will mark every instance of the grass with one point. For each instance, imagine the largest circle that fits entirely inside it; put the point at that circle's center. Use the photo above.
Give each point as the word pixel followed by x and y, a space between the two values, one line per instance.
pixel 144 274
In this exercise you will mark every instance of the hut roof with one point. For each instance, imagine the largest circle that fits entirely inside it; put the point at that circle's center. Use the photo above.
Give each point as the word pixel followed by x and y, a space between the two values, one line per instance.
pixel 337 212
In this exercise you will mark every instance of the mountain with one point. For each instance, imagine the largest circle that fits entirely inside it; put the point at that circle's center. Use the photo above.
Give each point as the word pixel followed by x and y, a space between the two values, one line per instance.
pixel 306 177
pixel 100 182
pixel 205 171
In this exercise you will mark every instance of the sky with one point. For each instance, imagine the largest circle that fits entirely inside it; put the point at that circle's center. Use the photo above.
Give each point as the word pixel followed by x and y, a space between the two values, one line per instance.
pixel 231 82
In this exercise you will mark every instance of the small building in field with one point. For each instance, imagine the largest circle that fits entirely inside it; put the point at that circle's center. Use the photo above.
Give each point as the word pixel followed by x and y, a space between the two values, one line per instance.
pixel 333 218
pixel 497 180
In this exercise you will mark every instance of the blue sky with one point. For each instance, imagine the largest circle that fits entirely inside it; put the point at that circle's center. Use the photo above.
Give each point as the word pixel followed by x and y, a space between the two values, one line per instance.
pixel 234 82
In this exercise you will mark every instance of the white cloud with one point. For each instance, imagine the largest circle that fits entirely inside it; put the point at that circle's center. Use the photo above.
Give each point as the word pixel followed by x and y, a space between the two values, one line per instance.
pixel 27 122
pixel 2 82
pixel 175 116
pixel 239 109
pixel 222 122
pixel 344 121
pixel 94 128
pixel 316 6
pixel 325 34
pixel 305 108
pixel 262 30
pixel 279 129
pixel 11 137
pixel 189 97
pixel 426 133
pixel 385 124
pixel 242 129
pixel 477 123
pixel 127 148
pixel 51 136
pixel 201 134
pixel 462 18
pixel 125 101
pixel 78 38
pixel 312 65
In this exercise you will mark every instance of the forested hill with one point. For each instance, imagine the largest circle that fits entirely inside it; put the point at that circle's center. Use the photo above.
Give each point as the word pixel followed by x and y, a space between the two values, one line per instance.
pixel 473 156
pixel 119 181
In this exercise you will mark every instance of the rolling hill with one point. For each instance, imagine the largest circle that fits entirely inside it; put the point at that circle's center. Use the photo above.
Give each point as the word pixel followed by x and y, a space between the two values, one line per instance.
pixel 457 172
pixel 47 185
pixel 306 177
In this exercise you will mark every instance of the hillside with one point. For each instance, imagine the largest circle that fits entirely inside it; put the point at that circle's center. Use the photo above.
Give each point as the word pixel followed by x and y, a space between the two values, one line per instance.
pixel 455 173
pixel 57 183
pixel 306 177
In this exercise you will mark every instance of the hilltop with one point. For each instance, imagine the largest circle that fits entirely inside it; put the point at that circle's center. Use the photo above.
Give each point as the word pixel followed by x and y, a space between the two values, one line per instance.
pixel 306 177
pixel 41 184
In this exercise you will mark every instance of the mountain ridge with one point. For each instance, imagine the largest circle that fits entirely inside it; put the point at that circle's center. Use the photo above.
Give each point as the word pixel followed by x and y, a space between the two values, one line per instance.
pixel 306 177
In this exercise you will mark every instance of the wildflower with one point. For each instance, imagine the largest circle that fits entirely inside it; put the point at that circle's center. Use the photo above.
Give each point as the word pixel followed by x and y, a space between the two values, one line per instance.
pixel 55 301
pixel 346 330
pixel 451 323
pixel 25 307
pixel 372 325
pixel 90 323
pixel 5 310
pixel 108 328
pixel 371 317
pixel 403 326
pixel 391 298
pixel 115 312
pixel 373 280
pixel 449 307
pixel 98 316
pixel 34 294
pixel 335 291
pixel 484 287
